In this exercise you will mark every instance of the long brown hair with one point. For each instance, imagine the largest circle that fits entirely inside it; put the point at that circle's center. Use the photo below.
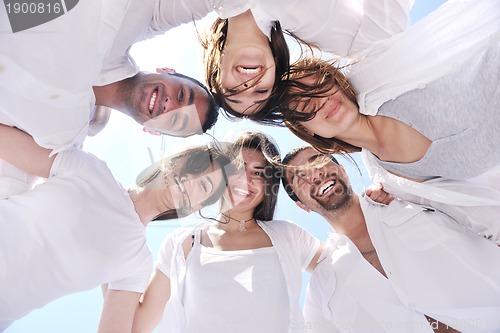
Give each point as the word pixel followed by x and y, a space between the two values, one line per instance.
pixel 272 174
pixel 312 78
pixel 213 44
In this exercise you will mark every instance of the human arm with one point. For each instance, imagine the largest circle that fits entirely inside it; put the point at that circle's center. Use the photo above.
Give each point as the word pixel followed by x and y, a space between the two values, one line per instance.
pixel 19 149
pixel 118 311
pixel 152 304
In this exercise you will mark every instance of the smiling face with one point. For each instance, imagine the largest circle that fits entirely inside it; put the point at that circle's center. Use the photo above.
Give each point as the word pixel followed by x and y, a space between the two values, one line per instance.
pixel 246 188
pixel 335 113
pixel 320 184
pixel 168 104
pixel 247 65
pixel 191 191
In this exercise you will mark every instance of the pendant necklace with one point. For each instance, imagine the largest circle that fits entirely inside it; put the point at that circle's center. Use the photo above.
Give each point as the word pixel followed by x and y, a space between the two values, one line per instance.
pixel 241 222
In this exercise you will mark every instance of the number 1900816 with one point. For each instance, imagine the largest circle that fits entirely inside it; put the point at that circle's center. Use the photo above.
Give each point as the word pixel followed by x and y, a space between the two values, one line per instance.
pixel 33 8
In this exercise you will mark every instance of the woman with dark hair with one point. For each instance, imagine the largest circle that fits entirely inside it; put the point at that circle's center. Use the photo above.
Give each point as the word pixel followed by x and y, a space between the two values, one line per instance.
pixel 246 54
pixel 81 229
pixel 241 273
pixel 438 141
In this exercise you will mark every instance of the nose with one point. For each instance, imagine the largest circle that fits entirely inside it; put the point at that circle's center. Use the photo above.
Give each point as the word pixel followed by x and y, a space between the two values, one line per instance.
pixel 170 104
pixel 317 174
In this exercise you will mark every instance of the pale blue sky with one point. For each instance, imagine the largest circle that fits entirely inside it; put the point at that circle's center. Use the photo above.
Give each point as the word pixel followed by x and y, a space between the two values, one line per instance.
pixel 124 147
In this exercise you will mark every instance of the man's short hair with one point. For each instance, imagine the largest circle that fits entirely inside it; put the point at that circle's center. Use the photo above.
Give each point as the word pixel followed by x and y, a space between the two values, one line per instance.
pixel 286 160
pixel 212 108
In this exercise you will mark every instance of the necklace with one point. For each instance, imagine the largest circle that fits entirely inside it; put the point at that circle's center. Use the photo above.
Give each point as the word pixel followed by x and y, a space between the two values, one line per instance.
pixel 241 222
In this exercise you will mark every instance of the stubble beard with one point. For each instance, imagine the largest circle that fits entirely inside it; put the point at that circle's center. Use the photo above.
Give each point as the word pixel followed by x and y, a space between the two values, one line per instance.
pixel 339 200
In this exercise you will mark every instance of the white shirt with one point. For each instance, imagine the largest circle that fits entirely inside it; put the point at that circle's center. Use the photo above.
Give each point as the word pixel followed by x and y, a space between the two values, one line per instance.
pixel 145 20
pixel 440 42
pixel 246 288
pixel 294 246
pixel 72 233
pixel 474 202
pixel 433 267
pixel 342 27
pixel 47 72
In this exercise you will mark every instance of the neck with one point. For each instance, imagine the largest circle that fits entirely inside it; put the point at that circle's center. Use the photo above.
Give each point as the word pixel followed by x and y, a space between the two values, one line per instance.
pixel 363 133
pixel 243 28
pixel 144 205
pixel 351 223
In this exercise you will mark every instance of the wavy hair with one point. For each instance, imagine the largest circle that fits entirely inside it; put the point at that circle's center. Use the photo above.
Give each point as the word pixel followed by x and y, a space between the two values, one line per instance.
pixel 272 173
pixel 213 44
pixel 312 78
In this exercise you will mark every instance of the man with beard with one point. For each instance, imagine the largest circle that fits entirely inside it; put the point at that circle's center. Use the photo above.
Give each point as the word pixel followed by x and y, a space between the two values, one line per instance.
pixel 396 268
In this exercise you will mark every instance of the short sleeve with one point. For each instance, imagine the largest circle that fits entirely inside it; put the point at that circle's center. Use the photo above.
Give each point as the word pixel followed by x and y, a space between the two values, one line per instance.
pixel 165 254
pixel 167 248
pixel 138 281
pixel 307 244
pixel 73 161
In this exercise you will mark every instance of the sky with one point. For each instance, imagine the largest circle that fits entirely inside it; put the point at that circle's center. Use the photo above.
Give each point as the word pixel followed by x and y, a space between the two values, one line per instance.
pixel 128 150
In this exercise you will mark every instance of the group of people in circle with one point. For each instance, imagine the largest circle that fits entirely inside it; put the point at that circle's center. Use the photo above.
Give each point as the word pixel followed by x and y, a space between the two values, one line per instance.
pixel 418 101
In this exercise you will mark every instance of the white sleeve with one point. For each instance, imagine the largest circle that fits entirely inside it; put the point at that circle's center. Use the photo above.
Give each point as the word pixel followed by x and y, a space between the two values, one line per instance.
pixel 165 254
pixel 167 248
pixel 170 14
pixel 307 243
pixel 381 19
pixel 139 280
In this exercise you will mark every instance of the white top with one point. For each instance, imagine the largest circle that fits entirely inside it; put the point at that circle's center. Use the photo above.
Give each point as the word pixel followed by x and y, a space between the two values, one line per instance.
pixel 342 27
pixel 50 96
pixel 440 42
pixel 232 285
pixel 433 266
pixel 294 246
pixel 144 20
pixel 72 233
pixel 46 72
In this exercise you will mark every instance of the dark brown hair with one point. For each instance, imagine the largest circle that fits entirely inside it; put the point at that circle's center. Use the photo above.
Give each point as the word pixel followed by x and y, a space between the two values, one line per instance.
pixel 213 44
pixel 312 78
pixel 272 174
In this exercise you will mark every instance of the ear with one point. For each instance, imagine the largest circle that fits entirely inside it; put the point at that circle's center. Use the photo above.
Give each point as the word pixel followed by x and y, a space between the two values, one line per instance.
pixel 150 131
pixel 302 206
pixel 165 70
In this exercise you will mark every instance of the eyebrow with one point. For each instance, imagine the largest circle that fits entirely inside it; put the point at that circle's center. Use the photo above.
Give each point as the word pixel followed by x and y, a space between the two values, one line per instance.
pixel 313 158
pixel 191 96
pixel 309 160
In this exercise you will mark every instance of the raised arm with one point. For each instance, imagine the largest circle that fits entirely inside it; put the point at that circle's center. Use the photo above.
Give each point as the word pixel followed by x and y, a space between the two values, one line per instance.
pixel 19 149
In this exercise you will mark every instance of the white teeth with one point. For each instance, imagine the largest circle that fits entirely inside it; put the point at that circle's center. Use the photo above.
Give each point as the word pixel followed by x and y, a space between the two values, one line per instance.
pixel 248 70
pixel 241 191
pixel 326 187
pixel 152 101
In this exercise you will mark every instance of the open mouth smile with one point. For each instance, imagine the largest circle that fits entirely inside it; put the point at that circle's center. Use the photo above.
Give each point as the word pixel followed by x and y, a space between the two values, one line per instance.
pixel 152 101
pixel 241 191
pixel 326 188
pixel 249 70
